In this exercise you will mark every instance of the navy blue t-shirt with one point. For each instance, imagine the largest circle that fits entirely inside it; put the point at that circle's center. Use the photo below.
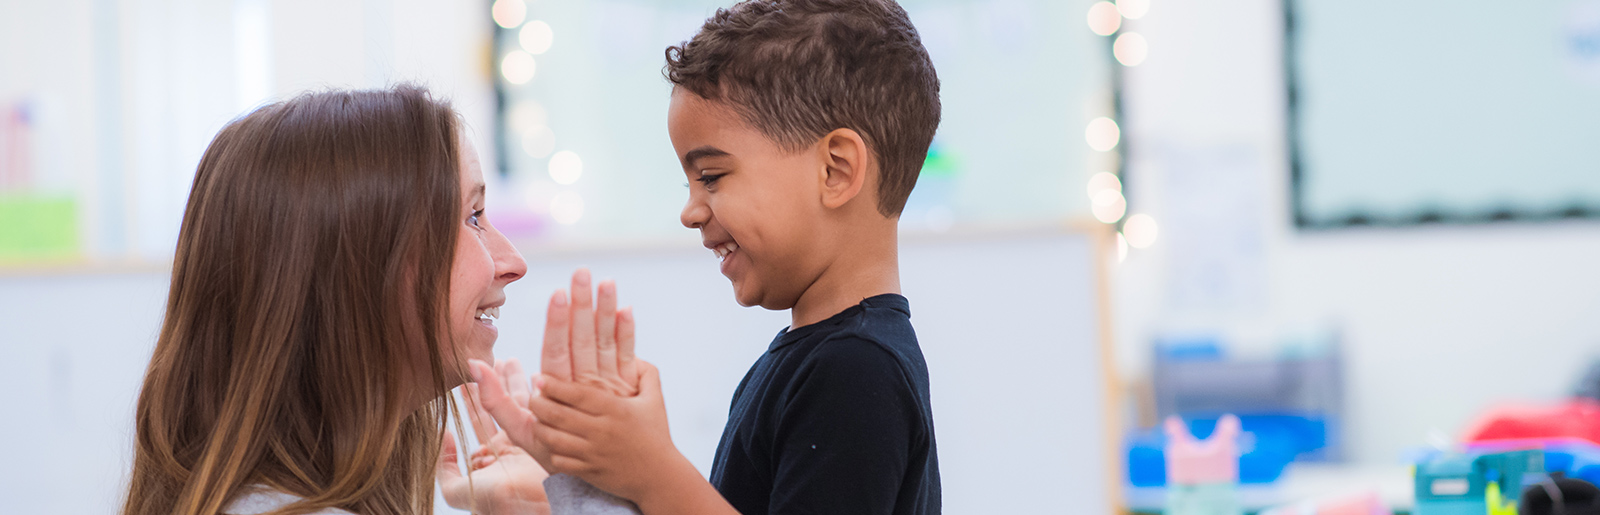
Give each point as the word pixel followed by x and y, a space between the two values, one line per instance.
pixel 834 419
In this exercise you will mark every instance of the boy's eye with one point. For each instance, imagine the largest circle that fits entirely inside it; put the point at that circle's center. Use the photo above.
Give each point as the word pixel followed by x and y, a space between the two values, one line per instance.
pixel 709 179
pixel 473 218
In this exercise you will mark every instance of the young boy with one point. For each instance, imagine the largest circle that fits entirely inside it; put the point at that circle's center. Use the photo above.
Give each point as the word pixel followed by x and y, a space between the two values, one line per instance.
pixel 802 126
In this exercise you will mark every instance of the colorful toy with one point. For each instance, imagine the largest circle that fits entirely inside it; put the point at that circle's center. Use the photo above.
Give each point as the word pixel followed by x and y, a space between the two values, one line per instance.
pixel 1474 484
pixel 1575 457
pixel 1577 418
pixel 1203 475
pixel 1365 503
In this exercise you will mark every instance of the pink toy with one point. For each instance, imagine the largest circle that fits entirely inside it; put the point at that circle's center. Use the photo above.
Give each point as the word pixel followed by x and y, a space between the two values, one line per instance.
pixel 1197 462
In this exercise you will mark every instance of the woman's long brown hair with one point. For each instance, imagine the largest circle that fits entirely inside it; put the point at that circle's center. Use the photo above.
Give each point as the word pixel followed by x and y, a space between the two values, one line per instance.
pixel 309 286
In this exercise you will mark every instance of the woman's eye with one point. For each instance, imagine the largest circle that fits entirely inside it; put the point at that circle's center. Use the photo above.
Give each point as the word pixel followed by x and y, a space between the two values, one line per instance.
pixel 473 219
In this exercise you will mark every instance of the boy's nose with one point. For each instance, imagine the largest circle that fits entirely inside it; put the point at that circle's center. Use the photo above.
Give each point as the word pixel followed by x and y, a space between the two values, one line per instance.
pixel 695 214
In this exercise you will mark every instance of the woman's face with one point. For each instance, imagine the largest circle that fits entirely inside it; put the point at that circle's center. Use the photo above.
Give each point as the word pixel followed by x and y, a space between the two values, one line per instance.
pixel 485 263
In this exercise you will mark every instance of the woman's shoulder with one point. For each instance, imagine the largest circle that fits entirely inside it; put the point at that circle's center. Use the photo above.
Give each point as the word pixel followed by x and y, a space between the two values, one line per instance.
pixel 258 499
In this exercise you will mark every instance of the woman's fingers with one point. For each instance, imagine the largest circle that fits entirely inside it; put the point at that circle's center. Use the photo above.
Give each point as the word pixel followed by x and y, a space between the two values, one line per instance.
pixel 516 420
pixel 556 358
pixel 627 364
pixel 605 321
pixel 448 473
pixel 482 422
pixel 516 381
pixel 584 362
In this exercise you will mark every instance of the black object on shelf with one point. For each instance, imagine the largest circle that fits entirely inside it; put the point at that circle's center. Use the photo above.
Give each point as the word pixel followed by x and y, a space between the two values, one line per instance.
pixel 1589 386
pixel 1560 495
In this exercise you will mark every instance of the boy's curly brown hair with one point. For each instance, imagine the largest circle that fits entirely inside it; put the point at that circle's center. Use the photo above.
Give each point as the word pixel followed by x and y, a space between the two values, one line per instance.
pixel 798 69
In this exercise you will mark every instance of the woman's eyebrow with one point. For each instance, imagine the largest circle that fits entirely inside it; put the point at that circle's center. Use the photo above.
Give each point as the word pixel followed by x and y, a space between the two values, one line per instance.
pixel 477 192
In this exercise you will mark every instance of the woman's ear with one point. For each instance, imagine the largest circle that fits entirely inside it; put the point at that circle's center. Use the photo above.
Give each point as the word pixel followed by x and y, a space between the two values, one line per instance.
pixel 845 160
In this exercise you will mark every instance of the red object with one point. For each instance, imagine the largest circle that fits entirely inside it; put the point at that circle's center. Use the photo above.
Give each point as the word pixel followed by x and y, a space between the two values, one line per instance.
pixel 1579 418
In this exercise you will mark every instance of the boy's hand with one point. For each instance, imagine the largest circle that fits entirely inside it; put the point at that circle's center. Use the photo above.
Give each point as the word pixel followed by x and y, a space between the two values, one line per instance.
pixel 591 341
pixel 619 444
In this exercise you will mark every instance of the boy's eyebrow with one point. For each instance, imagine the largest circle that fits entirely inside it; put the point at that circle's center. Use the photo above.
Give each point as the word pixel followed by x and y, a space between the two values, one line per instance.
pixel 701 153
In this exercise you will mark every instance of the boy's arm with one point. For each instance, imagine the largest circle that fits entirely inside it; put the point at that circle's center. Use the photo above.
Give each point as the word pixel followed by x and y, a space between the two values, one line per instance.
pixel 622 445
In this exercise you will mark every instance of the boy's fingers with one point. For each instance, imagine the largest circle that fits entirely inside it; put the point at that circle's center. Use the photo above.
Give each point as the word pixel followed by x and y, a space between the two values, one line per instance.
pixel 570 466
pixel 605 321
pixel 586 399
pixel 627 367
pixel 482 422
pixel 558 443
pixel 584 363
pixel 552 412
pixel 556 357
pixel 649 381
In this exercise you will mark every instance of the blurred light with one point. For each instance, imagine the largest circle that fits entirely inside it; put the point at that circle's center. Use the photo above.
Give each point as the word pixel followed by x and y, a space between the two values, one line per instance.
pixel 538 193
pixel 1122 248
pixel 1133 9
pixel 565 167
pixel 1103 134
pixel 1104 181
pixel 1140 230
pixel 1109 206
pixel 539 142
pixel 517 67
pixel 527 115
pixel 566 208
pixel 509 13
pixel 536 37
pixel 1104 20
pixel 1130 49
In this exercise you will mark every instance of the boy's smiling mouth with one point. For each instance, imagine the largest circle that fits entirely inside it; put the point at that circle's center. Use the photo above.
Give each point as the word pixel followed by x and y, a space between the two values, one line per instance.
pixel 723 250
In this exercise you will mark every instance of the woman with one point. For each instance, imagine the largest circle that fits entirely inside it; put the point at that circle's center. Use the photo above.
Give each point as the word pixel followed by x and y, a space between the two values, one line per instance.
pixel 334 273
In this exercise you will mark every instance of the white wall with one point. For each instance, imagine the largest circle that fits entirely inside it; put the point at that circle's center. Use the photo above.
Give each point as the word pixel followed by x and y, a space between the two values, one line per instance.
pixel 1017 403
pixel 1438 322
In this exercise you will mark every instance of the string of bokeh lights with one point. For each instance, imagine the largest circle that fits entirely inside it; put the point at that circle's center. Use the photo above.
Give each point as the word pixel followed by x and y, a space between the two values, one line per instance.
pixel 1106 201
pixel 528 120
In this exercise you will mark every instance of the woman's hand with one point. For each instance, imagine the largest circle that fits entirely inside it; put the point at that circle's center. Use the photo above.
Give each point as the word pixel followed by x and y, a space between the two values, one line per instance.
pixel 505 479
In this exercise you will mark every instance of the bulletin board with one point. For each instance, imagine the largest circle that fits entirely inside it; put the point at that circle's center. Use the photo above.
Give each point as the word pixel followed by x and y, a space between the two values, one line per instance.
pixel 1443 111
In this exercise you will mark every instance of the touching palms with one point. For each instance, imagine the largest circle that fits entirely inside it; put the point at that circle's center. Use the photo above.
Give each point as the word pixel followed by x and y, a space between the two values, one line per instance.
pixel 504 480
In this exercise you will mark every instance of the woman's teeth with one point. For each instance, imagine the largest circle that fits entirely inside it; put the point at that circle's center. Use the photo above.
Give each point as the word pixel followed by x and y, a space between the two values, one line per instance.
pixel 723 250
pixel 488 314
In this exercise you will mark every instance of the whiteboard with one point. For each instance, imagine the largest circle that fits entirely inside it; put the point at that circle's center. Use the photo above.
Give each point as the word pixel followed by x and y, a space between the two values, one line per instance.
pixel 1011 325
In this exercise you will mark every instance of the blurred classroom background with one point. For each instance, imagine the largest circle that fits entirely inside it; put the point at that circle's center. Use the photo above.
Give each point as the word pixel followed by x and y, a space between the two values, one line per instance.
pixel 1368 229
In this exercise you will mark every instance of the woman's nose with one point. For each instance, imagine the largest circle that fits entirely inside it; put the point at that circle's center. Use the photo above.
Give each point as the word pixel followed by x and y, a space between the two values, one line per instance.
pixel 508 263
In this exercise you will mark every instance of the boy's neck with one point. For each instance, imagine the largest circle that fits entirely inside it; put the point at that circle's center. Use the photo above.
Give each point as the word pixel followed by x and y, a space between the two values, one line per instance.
pixel 865 267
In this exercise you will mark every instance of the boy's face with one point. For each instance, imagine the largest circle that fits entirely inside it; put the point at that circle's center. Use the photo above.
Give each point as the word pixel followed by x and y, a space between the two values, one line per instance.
pixel 757 207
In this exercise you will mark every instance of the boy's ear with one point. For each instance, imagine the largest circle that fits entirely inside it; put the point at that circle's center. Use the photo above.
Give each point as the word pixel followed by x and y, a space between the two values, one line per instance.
pixel 845 160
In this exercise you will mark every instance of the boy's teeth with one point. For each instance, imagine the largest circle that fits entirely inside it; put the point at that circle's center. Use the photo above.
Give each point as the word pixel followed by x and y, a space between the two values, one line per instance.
pixel 723 250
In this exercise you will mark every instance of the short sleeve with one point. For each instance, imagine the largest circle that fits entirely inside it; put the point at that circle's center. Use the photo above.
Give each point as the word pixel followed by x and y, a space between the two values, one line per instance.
pixel 846 432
